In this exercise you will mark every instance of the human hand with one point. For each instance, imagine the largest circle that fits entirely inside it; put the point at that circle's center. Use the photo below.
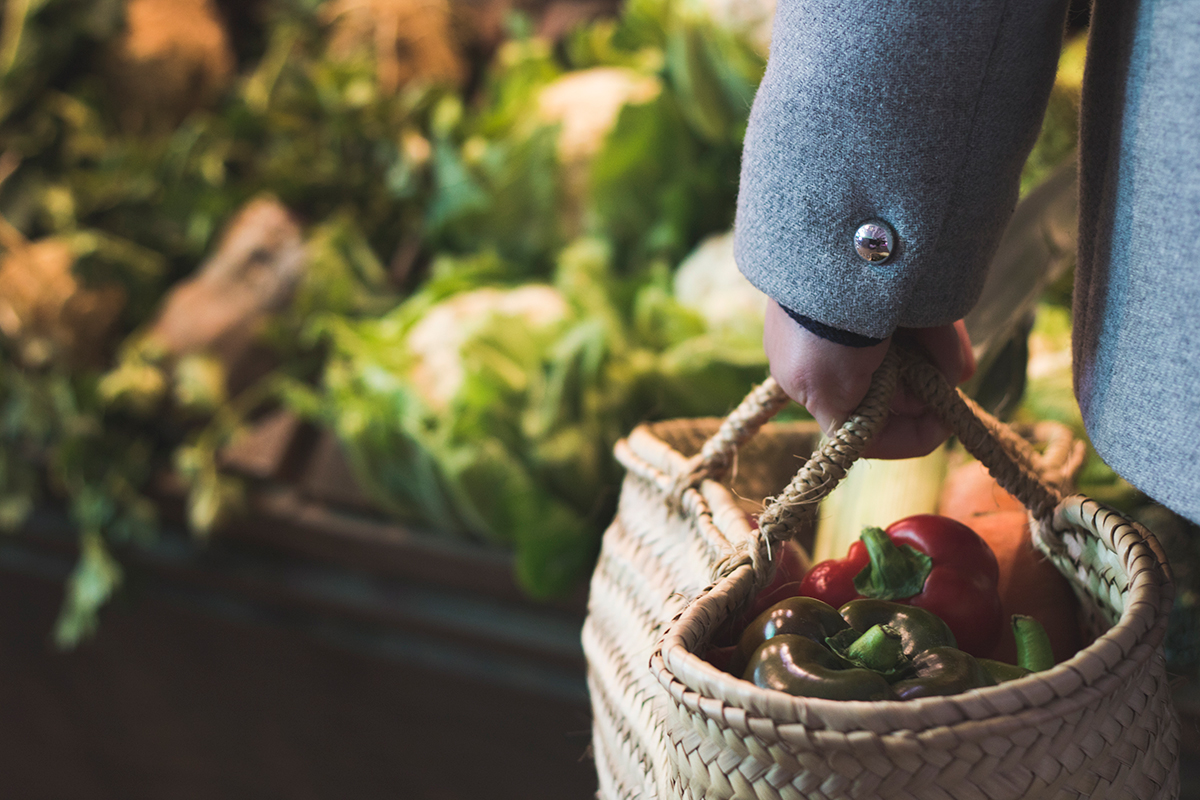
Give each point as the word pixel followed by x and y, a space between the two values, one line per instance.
pixel 830 380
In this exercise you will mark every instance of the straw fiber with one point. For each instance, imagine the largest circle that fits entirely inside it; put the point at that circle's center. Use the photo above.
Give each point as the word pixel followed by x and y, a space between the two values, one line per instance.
pixel 681 560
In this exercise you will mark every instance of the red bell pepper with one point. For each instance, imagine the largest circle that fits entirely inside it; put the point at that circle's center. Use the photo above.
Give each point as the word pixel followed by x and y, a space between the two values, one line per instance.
pixel 928 561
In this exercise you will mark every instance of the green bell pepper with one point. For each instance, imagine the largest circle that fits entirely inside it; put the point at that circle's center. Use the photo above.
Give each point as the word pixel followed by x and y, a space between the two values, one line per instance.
pixel 867 650
pixel 798 665
pixel 801 616
pixel 919 629
pixel 942 671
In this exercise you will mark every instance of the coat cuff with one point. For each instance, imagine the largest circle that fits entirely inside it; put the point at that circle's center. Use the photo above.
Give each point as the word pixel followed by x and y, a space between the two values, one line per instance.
pixel 828 332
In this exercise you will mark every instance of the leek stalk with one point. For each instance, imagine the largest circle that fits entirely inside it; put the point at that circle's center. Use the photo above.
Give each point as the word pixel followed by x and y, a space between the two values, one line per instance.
pixel 877 493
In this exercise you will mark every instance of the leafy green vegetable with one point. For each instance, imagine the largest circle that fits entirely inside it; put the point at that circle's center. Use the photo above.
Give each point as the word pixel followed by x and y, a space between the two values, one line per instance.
pixel 96 576
pixel 492 411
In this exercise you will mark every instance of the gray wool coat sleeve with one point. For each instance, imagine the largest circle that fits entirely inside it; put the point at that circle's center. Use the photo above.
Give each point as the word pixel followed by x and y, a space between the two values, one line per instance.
pixel 1136 338
pixel 919 113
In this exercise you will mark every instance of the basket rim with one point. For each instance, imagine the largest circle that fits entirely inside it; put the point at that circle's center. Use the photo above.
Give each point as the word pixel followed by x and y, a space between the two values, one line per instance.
pixel 1096 670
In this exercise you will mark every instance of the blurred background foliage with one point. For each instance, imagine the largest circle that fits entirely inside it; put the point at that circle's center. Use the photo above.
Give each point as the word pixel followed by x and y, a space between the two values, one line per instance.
pixel 490 214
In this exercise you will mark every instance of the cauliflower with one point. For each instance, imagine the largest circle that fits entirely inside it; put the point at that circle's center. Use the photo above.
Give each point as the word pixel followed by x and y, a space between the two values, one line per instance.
pixel 586 104
pixel 437 340
pixel 708 281
pixel 752 19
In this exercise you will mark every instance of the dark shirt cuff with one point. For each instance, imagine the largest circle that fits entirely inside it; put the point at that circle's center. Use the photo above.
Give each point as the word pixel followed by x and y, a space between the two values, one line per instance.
pixel 835 335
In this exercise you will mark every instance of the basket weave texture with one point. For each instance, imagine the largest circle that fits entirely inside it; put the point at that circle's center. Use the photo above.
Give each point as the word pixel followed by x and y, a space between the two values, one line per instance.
pixel 681 559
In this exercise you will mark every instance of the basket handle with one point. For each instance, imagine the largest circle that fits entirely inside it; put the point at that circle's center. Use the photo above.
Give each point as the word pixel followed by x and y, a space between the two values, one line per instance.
pixel 719 453
pixel 1011 460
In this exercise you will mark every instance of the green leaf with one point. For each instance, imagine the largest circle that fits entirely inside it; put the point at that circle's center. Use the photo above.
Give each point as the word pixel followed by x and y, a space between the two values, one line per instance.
pixel 507 199
pixel 93 581
pixel 457 193
pixel 342 275
pixel 656 188
pixel 700 92
pixel 212 499
pixel 92 508
pixel 554 550
pixel 200 383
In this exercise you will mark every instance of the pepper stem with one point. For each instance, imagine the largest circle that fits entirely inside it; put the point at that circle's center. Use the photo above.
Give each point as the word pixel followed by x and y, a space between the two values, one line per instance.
pixel 895 573
pixel 879 648
pixel 1033 644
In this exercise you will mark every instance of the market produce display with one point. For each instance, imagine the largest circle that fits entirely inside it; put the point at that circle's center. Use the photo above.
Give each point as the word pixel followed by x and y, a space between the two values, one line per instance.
pixel 212 211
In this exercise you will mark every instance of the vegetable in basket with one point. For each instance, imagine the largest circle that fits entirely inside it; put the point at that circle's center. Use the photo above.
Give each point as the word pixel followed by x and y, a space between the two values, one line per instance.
pixel 785 649
pixel 1029 581
pixel 870 650
pixel 925 560
pixel 791 565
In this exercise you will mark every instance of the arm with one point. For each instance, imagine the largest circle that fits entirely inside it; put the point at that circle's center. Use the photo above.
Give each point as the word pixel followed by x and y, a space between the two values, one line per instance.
pixel 921 114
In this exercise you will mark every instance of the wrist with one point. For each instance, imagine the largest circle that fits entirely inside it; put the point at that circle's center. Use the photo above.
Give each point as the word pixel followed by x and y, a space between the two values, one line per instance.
pixel 830 333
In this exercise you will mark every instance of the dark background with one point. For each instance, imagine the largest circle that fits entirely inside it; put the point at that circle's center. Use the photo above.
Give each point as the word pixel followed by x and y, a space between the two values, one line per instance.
pixel 230 671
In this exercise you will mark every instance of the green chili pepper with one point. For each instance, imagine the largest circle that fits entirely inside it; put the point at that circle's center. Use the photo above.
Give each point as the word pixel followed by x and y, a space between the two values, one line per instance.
pixel 1033 652
pixel 1033 644
pixel 1002 671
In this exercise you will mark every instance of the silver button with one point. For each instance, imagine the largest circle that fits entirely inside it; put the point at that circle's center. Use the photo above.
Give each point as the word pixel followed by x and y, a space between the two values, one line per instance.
pixel 875 241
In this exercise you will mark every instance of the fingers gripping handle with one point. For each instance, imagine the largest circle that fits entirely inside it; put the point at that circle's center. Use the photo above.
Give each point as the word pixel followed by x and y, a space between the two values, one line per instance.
pixel 794 510
pixel 792 513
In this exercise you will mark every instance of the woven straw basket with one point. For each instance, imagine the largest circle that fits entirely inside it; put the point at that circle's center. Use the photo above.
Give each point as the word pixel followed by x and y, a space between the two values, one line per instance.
pixel 680 560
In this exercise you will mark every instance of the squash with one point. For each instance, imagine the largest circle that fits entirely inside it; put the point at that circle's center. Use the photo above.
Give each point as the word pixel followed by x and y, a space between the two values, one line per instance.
pixel 1029 582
